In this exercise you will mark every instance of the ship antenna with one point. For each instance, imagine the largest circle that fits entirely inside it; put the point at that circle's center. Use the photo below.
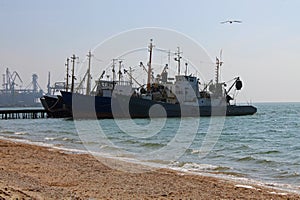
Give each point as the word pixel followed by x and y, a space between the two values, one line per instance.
pixel 178 58
pixel 67 78
pixel 149 65
pixel 89 77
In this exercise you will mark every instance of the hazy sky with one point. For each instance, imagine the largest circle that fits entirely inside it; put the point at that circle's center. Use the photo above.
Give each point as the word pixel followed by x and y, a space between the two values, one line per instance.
pixel 38 36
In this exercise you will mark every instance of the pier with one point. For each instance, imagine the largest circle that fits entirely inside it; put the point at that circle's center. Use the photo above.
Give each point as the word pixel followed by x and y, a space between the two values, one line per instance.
pixel 23 114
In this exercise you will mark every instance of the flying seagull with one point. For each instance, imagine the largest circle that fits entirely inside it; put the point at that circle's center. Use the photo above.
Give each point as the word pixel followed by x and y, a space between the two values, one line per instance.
pixel 231 21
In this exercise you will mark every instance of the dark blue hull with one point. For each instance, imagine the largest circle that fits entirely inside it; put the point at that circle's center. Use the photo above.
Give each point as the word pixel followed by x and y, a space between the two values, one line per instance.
pixel 83 106
pixel 55 107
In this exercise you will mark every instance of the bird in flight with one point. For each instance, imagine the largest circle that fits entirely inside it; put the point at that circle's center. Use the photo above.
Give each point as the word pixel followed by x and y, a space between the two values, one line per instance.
pixel 231 21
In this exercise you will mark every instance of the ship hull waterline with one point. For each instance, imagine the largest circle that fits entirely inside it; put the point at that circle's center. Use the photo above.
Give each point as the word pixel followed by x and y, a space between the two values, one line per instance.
pixel 85 106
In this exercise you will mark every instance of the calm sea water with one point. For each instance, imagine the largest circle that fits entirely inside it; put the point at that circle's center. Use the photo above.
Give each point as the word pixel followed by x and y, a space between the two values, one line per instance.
pixel 264 147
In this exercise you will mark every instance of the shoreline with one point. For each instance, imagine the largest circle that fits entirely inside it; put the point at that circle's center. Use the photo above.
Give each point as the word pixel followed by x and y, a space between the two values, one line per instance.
pixel 37 172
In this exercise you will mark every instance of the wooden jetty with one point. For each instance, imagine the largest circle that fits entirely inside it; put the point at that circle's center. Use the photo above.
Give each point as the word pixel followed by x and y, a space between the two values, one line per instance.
pixel 23 114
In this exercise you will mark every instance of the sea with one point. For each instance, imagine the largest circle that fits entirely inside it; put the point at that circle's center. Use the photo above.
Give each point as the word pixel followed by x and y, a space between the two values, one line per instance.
pixel 262 149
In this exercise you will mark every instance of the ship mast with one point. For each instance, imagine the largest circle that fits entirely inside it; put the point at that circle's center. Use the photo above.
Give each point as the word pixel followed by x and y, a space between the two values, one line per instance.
pixel 218 65
pixel 73 58
pixel 217 69
pixel 149 66
pixel 120 72
pixel 4 84
pixel 8 85
pixel 89 77
pixel 186 66
pixel 113 69
pixel 130 72
pixel 49 84
pixel 67 78
pixel 178 59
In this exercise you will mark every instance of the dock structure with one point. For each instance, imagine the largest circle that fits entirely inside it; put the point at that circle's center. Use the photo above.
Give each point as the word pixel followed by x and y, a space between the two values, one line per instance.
pixel 23 114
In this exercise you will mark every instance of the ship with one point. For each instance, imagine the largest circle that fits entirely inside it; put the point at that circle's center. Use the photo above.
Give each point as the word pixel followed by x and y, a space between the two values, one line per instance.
pixel 158 98
pixel 53 103
pixel 14 95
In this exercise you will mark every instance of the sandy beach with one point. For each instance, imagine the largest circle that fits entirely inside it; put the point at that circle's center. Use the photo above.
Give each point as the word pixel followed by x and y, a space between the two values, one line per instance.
pixel 35 172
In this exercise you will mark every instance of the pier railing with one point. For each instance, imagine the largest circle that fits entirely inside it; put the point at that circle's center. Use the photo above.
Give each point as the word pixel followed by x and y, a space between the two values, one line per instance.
pixel 23 114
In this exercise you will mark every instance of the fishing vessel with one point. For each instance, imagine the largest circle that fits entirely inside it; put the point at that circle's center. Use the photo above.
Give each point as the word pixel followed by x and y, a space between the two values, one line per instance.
pixel 53 103
pixel 158 98
pixel 54 106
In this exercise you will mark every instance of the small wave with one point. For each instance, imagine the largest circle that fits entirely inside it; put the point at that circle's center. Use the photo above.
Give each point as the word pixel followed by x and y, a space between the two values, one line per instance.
pixel 84 142
pixel 7 132
pixel 108 147
pixel 190 166
pixel 194 151
pixel 222 168
pixel 198 167
pixel 207 169
pixel 269 152
pixel 246 158
pixel 21 133
pixel 66 139
pixel 264 161
pixel 288 175
pixel 50 138
pixel 130 142
pixel 157 161
pixel 49 131
pixel 14 137
pixel 255 160
pixel 233 174
pixel 213 153
pixel 104 146
pixel 152 145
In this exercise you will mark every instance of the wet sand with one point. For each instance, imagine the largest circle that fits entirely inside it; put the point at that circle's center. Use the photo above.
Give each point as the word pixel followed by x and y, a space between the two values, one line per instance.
pixel 35 172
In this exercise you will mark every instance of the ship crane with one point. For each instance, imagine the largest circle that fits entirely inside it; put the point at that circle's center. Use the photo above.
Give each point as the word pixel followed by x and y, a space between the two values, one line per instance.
pixel 144 68
pixel 131 77
pixel 163 76
pixel 164 69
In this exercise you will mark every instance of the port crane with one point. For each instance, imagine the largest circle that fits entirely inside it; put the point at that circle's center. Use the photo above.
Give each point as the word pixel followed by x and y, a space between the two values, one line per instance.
pixel 10 79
